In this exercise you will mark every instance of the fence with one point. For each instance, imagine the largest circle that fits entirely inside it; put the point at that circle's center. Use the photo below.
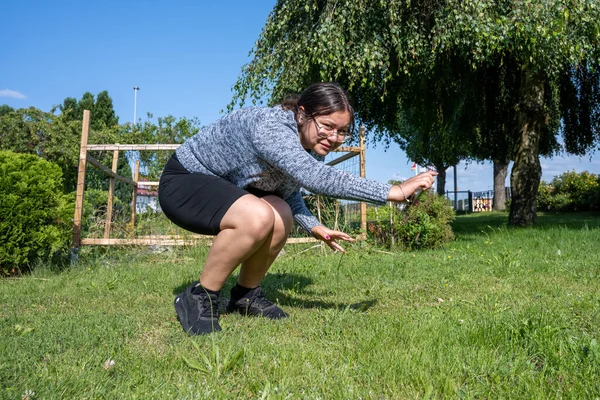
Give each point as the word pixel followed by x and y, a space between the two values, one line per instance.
pixel 136 183
pixel 468 201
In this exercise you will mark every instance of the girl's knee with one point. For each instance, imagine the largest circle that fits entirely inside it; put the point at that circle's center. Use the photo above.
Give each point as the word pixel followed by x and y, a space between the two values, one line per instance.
pixel 282 211
pixel 259 221
pixel 250 215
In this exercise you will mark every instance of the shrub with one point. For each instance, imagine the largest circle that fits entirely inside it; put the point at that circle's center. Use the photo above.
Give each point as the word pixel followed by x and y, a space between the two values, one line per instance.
pixel 35 217
pixel 426 224
pixel 570 192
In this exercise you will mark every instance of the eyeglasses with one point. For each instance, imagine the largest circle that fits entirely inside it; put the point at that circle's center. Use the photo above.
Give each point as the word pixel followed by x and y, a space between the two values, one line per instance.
pixel 325 131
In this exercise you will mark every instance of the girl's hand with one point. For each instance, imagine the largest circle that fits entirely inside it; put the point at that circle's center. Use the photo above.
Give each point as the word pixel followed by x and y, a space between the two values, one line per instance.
pixel 423 181
pixel 330 236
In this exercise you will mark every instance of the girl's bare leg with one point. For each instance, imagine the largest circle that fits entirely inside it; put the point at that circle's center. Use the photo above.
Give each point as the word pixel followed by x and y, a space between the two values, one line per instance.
pixel 253 231
pixel 255 267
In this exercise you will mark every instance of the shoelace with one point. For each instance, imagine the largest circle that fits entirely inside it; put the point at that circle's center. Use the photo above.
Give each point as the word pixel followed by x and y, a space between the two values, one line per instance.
pixel 206 307
pixel 258 299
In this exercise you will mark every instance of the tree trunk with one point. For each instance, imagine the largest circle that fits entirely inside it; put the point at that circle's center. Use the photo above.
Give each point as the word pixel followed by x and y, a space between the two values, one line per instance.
pixel 527 171
pixel 500 171
pixel 441 181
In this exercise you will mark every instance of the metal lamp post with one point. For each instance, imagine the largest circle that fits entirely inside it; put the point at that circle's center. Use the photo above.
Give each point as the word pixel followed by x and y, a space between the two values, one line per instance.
pixel 135 90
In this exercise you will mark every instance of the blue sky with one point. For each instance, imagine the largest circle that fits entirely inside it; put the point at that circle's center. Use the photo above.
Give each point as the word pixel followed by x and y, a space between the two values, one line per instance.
pixel 184 55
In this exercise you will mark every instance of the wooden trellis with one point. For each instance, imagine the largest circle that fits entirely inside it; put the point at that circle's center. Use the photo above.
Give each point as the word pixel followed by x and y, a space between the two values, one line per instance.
pixel 167 240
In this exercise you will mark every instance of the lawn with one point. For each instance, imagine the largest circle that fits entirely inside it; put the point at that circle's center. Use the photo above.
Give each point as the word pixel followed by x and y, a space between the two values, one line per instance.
pixel 499 313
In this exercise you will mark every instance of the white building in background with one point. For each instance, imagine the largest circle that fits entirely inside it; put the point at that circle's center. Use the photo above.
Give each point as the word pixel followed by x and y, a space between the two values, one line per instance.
pixel 147 198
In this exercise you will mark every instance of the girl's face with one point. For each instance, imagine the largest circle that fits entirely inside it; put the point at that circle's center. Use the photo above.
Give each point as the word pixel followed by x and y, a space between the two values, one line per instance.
pixel 325 133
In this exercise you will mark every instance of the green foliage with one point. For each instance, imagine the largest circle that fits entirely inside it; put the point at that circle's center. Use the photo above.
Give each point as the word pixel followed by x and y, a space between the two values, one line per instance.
pixel 43 134
pixel 570 191
pixel 5 109
pixel 86 103
pixel 35 217
pixel 167 130
pixel 101 108
pixel 57 138
pixel 103 113
pixel 54 138
pixel 375 48
pixel 429 127
pixel 425 224
pixel 70 109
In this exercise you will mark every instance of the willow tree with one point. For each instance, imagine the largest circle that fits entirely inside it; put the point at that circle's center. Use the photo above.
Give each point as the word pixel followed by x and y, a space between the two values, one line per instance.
pixel 435 127
pixel 377 48
pixel 496 138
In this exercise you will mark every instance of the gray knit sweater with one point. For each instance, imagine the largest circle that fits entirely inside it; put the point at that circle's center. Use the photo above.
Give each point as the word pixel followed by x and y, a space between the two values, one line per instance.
pixel 259 147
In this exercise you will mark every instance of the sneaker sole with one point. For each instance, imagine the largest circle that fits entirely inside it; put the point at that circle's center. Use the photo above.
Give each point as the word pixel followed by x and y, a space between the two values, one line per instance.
pixel 246 313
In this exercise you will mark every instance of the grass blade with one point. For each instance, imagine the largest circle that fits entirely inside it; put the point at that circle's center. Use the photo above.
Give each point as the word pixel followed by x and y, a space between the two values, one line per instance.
pixel 233 360
pixel 196 346
pixel 195 365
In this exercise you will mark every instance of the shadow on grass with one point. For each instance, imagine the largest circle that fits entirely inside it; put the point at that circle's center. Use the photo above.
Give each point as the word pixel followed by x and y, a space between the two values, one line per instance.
pixel 477 222
pixel 278 285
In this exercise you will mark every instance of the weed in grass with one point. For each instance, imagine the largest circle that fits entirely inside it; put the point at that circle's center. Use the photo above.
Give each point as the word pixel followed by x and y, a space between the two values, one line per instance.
pixel 214 365
pixel 503 264
pixel 337 272
pixel 110 285
pixel 22 330
pixel 275 392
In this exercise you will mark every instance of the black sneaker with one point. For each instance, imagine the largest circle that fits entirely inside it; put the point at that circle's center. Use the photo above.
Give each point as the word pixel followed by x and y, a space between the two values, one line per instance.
pixel 198 311
pixel 254 303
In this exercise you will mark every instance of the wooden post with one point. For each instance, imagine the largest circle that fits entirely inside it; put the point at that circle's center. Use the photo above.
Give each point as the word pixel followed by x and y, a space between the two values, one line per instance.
pixel 111 194
pixel 363 174
pixel 392 208
pixel 85 129
pixel 318 199
pixel 136 175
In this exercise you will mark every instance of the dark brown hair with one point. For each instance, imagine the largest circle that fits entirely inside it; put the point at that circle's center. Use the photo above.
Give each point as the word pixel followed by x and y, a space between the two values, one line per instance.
pixel 322 98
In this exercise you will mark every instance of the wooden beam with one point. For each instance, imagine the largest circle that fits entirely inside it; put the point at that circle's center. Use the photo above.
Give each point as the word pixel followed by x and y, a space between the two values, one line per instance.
pixel 138 242
pixel 165 241
pixel 176 237
pixel 109 172
pixel 302 240
pixel 363 174
pixel 139 147
pixel 210 237
pixel 147 183
pixel 111 194
pixel 342 159
pixel 85 129
pixel 348 149
pixel 136 174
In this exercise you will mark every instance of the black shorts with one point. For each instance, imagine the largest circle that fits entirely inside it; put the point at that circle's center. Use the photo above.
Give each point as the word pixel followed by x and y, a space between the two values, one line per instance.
pixel 197 202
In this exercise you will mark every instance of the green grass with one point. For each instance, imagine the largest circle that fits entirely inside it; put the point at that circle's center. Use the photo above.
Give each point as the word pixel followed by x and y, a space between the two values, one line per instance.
pixel 499 313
